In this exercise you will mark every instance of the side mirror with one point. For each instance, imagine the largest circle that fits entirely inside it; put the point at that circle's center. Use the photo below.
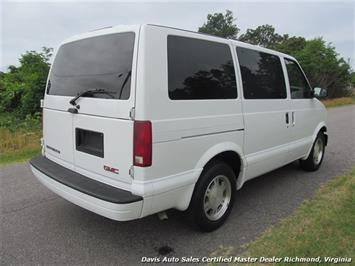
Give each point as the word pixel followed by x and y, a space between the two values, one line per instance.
pixel 320 93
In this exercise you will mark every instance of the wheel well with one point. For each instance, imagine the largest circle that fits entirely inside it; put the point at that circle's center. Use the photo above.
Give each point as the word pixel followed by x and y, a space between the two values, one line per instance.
pixel 229 157
pixel 324 131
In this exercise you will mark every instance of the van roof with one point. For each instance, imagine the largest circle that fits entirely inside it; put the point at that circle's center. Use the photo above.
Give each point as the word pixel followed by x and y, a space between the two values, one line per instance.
pixel 113 29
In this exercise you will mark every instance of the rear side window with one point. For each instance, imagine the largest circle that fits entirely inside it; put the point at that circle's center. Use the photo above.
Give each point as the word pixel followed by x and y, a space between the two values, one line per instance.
pixel 199 69
pixel 262 75
pixel 101 62
pixel 298 83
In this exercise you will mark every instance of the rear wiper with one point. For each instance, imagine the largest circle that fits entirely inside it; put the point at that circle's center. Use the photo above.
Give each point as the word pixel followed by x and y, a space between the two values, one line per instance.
pixel 89 92
pixel 124 82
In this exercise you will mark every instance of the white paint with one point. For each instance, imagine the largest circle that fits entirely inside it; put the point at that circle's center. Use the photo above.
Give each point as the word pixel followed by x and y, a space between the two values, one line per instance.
pixel 186 134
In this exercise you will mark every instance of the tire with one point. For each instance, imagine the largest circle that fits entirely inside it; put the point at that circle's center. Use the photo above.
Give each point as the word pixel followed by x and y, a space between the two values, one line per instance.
pixel 315 158
pixel 215 192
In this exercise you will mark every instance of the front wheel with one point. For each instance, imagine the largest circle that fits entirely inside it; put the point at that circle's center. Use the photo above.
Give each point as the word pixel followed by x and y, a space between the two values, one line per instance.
pixel 315 158
pixel 213 197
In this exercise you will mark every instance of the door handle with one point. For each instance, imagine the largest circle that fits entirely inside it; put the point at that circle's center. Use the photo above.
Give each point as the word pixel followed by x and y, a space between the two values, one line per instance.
pixel 293 119
pixel 287 119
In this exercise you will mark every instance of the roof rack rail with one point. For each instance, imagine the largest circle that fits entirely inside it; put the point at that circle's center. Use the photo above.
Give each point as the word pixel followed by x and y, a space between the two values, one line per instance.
pixel 107 27
pixel 202 33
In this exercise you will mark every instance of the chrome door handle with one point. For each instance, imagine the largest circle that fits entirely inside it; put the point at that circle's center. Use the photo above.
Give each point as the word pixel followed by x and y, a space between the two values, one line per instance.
pixel 293 118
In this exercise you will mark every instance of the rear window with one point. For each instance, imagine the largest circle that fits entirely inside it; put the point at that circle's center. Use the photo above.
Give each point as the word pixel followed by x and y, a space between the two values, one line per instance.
pixel 262 75
pixel 102 62
pixel 199 69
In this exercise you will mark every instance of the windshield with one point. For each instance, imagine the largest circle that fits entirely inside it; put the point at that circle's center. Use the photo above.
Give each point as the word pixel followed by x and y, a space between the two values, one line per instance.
pixel 94 63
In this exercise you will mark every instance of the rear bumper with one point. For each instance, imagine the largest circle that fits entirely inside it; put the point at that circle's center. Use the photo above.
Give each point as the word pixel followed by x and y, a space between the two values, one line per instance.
pixel 108 201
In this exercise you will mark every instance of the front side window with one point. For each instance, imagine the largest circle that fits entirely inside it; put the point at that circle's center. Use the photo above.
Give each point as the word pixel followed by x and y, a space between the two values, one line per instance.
pixel 101 62
pixel 199 69
pixel 262 75
pixel 298 83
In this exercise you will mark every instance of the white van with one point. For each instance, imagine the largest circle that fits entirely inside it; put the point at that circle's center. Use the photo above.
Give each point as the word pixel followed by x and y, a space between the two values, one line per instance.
pixel 141 119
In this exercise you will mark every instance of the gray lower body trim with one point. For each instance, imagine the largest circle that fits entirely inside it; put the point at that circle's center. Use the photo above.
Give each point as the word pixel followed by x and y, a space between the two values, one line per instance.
pixel 213 133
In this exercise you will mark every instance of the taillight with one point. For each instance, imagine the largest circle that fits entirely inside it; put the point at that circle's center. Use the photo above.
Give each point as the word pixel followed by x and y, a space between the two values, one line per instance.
pixel 142 143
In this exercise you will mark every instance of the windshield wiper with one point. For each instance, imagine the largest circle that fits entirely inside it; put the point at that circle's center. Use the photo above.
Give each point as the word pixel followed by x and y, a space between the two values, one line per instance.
pixel 89 92
pixel 124 82
pixel 103 91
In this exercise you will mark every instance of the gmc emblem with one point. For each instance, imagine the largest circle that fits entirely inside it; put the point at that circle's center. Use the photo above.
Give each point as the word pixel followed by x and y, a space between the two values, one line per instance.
pixel 111 169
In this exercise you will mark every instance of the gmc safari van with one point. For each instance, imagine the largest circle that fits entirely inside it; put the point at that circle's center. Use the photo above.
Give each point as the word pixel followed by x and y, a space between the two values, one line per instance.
pixel 141 119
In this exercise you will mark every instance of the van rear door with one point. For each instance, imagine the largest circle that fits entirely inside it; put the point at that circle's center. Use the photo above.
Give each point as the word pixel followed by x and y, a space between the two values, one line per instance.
pixel 94 134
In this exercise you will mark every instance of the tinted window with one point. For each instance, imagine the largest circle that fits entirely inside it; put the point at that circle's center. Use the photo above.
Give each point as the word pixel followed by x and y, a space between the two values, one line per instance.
pixel 199 69
pixel 262 75
pixel 298 83
pixel 102 62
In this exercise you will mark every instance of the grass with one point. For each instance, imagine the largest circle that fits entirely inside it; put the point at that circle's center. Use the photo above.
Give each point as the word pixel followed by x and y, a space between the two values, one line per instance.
pixel 19 156
pixel 323 226
pixel 339 102
pixel 19 138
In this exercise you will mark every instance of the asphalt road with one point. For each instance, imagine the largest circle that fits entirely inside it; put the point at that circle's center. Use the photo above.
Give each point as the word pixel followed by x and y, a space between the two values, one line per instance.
pixel 38 227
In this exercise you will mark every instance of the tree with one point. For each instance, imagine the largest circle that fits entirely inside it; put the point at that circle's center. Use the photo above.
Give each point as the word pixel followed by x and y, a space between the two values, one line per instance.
pixel 263 35
pixel 291 45
pixel 220 25
pixel 353 80
pixel 22 87
pixel 324 68
pixel 2 74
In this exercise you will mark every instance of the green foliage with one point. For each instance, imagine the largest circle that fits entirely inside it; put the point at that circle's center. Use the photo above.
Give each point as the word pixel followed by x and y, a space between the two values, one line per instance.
pixel 322 226
pixel 220 25
pixel 22 87
pixel 19 156
pixel 352 81
pixel 14 122
pixel 263 35
pixel 291 45
pixel 19 137
pixel 336 102
pixel 324 68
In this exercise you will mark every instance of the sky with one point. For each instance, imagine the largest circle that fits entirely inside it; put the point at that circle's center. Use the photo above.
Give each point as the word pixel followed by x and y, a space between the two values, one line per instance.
pixel 26 25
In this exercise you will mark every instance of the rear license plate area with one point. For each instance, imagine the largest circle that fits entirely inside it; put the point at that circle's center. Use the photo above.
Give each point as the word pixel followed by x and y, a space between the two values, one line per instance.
pixel 90 142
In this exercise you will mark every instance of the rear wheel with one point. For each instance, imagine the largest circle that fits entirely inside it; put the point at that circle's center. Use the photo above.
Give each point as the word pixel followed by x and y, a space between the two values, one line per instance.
pixel 315 158
pixel 213 197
